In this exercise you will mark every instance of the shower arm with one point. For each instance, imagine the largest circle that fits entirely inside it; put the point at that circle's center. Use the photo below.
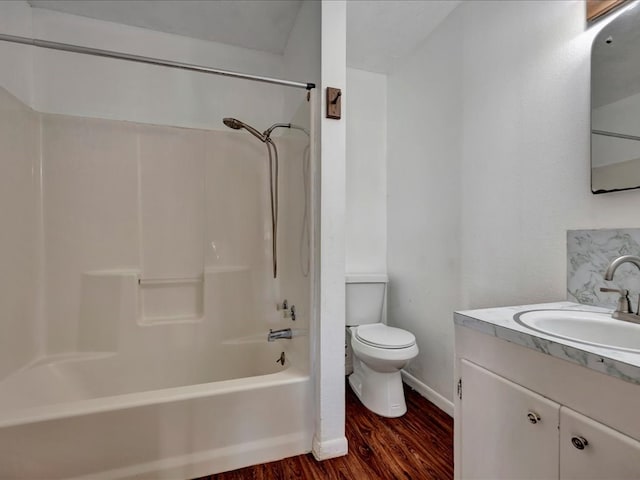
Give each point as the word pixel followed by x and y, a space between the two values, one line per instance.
pixel 267 132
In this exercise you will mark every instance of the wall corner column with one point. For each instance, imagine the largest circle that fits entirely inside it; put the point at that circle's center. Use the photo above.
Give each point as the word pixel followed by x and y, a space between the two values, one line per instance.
pixel 330 440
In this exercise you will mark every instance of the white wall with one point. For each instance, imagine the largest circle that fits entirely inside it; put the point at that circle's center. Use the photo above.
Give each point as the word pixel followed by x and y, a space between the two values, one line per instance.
pixel 366 177
pixel 301 58
pixel 424 201
pixel 75 84
pixel 484 187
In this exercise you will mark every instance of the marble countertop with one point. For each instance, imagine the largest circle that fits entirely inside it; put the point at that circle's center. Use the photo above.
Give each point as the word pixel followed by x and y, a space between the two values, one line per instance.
pixel 499 322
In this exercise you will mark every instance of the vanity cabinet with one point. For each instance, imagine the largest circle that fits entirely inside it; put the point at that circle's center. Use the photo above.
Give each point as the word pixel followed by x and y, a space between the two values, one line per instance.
pixel 523 414
pixel 511 432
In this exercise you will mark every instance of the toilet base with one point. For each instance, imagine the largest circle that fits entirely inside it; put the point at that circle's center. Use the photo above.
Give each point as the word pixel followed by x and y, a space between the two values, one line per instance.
pixel 382 393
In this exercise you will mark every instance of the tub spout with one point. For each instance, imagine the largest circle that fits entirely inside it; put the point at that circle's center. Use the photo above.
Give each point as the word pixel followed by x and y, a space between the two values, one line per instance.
pixel 276 334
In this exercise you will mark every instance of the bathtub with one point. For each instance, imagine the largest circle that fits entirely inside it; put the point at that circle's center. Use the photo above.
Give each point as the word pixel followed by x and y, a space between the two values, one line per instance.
pixel 160 396
pixel 85 416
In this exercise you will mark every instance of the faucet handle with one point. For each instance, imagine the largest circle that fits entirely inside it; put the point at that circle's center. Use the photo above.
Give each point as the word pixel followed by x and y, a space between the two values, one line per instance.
pixel 624 304
pixel 621 291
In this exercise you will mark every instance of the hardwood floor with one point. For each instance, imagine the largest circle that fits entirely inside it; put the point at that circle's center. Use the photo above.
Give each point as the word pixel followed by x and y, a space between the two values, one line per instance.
pixel 418 445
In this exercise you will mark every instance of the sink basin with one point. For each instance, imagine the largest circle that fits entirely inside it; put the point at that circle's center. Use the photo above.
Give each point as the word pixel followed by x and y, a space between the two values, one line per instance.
pixel 591 328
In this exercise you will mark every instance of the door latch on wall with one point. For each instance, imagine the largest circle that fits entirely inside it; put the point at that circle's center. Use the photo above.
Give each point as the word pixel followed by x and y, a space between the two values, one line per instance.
pixel 334 103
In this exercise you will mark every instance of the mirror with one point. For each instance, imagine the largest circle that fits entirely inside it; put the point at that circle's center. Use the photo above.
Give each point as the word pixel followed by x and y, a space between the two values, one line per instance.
pixel 615 104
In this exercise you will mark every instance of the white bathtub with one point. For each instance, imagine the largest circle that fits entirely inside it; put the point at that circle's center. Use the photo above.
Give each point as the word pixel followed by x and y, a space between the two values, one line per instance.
pixel 79 416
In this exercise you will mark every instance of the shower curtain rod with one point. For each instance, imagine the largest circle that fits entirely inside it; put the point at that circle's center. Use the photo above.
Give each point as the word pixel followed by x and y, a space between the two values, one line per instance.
pixel 66 47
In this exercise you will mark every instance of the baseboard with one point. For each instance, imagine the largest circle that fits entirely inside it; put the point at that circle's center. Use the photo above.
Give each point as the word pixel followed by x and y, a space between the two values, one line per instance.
pixel 429 393
pixel 327 449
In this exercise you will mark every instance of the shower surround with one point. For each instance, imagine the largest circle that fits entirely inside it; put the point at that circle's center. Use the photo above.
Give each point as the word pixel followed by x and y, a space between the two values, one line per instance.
pixel 140 298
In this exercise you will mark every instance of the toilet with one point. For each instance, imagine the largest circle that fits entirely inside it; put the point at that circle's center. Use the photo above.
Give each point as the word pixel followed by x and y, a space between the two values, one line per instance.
pixel 378 351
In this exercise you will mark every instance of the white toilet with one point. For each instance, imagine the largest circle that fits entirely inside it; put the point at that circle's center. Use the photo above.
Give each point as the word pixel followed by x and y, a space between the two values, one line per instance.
pixel 379 351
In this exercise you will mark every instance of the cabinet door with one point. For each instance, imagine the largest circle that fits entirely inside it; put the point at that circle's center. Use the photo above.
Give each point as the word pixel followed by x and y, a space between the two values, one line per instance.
pixel 507 431
pixel 607 454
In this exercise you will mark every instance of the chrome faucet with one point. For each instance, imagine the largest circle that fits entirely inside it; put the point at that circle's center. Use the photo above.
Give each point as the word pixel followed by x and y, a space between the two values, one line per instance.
pixel 282 333
pixel 623 311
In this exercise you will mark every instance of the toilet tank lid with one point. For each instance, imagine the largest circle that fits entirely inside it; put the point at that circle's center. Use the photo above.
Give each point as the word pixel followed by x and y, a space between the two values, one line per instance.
pixel 366 278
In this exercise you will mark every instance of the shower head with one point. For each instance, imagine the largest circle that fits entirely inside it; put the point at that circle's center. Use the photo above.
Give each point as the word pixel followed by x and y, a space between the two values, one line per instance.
pixel 232 123
pixel 236 124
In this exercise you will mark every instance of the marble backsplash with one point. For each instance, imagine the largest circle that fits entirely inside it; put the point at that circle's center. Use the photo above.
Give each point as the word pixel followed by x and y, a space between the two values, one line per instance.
pixel 589 252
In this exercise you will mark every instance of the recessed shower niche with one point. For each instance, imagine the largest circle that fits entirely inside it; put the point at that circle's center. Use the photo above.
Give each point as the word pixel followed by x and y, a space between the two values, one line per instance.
pixel 171 299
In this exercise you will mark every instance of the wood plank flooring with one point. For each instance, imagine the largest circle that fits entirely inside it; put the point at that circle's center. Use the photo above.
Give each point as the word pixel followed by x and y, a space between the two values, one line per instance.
pixel 417 446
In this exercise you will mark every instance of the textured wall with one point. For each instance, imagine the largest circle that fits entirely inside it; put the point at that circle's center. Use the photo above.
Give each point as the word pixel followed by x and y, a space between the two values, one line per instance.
pixel 508 135
pixel 89 86
pixel 366 210
pixel 424 197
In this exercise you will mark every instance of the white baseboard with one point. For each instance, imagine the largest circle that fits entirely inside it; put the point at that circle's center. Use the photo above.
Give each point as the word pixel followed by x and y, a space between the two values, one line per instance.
pixel 429 393
pixel 327 449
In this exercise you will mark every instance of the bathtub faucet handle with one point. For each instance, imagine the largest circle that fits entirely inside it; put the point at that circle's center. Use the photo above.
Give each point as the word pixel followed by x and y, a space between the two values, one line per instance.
pixel 293 312
pixel 284 305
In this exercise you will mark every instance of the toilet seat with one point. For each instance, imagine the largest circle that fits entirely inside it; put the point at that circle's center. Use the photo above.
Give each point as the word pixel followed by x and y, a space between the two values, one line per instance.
pixel 382 336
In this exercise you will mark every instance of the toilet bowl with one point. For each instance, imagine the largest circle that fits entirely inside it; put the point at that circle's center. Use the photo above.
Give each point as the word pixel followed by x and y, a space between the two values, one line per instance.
pixel 384 349
pixel 376 378
pixel 379 352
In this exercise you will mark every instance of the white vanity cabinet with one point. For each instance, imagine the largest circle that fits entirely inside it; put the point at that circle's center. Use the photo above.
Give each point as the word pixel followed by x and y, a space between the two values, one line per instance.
pixel 524 414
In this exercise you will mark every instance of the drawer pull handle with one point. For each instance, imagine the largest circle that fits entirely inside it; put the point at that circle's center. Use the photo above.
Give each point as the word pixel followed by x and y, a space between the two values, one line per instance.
pixel 579 442
pixel 533 417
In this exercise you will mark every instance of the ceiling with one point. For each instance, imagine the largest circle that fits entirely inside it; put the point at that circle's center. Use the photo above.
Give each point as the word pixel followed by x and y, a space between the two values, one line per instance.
pixel 257 24
pixel 379 32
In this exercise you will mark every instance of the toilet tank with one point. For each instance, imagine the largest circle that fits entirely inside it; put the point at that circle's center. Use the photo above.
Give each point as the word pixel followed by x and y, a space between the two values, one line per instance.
pixel 365 295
